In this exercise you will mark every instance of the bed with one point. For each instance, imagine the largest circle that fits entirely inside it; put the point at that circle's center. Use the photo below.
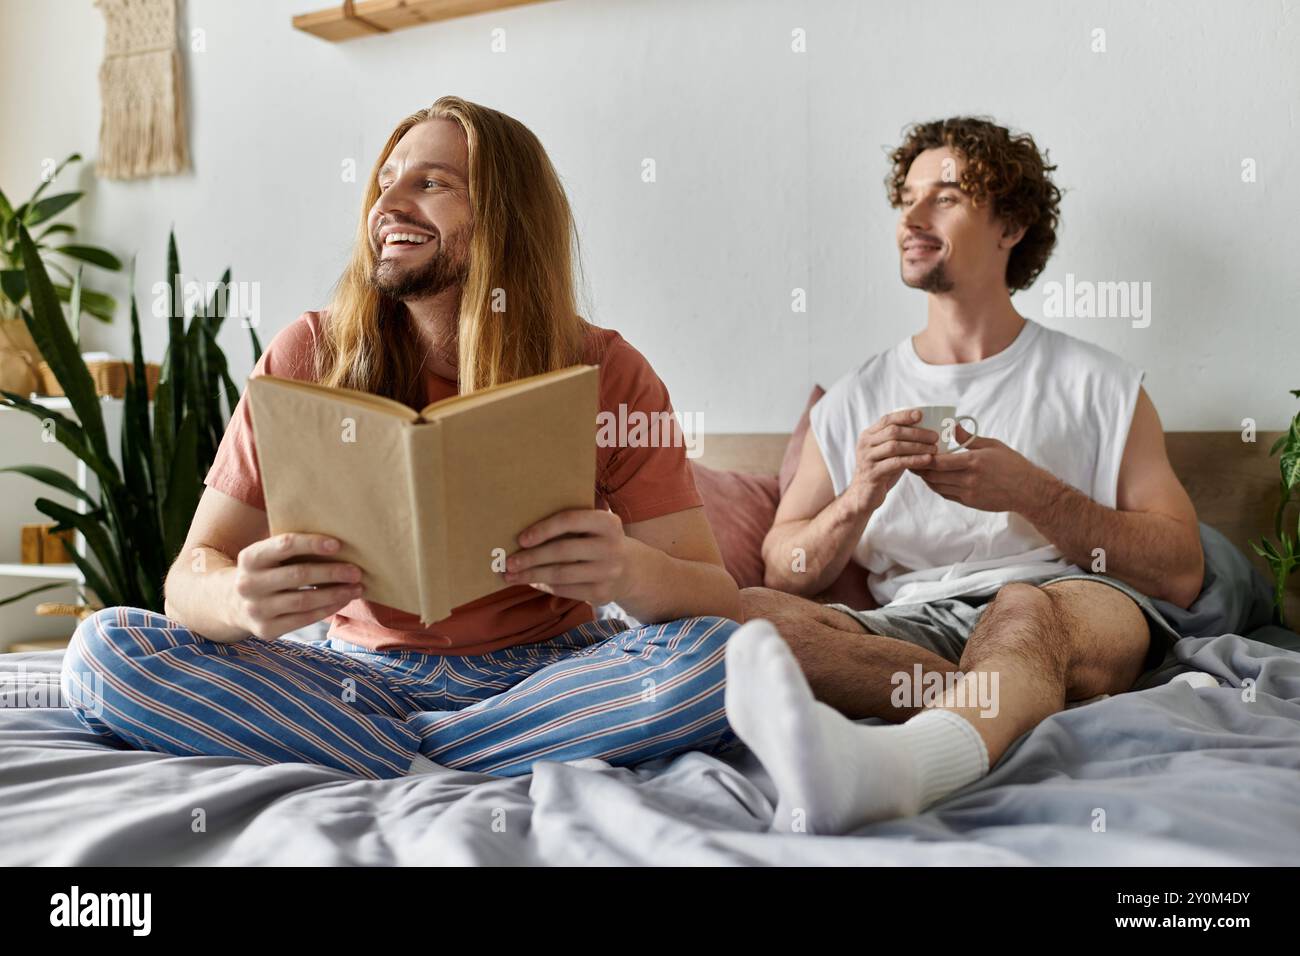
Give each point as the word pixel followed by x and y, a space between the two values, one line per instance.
pixel 1168 774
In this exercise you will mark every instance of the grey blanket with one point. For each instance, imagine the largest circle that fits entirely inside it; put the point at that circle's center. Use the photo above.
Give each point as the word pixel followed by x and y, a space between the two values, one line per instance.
pixel 1167 774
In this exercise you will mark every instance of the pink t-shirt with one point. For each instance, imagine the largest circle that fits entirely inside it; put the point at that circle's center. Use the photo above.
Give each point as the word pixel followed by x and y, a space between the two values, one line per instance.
pixel 636 483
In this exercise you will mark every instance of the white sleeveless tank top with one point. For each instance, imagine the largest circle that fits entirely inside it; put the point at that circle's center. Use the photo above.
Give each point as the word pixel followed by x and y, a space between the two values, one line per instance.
pixel 1063 403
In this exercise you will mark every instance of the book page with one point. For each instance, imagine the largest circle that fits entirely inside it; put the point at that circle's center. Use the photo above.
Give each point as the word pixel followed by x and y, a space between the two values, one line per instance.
pixel 333 466
pixel 508 463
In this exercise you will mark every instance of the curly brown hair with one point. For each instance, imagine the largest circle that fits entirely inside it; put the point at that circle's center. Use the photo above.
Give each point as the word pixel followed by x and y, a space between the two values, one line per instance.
pixel 1004 168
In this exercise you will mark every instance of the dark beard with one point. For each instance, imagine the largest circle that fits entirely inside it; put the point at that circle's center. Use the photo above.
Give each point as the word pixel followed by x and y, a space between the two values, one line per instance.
pixel 448 268
pixel 936 280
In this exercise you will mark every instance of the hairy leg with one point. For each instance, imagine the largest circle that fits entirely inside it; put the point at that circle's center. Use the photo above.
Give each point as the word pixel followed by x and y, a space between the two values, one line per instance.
pixel 1044 645
pixel 847 668
pixel 1036 648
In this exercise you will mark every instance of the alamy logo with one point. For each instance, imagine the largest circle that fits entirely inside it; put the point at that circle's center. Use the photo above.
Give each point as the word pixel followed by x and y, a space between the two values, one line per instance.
pixel 920 688
pixel 102 909
pixel 83 690
pixel 633 428
pixel 1082 299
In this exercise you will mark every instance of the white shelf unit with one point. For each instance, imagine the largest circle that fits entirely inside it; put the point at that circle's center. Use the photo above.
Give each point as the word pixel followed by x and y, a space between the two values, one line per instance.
pixel 111 409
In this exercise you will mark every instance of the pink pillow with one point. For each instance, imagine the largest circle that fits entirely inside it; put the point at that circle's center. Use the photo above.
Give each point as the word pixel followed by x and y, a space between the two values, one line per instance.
pixel 740 508
pixel 794 450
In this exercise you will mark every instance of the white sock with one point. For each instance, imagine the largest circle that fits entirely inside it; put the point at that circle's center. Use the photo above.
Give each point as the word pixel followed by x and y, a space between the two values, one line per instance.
pixel 1196 679
pixel 831 774
pixel 422 764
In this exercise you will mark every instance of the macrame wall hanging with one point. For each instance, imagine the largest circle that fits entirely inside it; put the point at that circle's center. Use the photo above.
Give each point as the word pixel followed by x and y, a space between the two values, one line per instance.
pixel 142 129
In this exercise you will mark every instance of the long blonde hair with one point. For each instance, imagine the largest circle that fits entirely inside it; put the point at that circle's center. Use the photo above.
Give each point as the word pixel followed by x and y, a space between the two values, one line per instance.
pixel 518 310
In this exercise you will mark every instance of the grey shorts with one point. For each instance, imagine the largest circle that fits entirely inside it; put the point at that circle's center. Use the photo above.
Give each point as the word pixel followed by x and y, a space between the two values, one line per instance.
pixel 944 626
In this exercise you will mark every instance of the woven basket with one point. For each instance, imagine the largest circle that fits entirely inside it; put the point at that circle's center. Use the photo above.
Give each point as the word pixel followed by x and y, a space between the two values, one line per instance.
pixel 110 378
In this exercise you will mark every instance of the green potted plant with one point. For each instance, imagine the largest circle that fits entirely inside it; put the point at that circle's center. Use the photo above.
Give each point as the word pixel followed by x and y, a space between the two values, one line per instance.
pixel 1283 554
pixel 136 521
pixel 19 355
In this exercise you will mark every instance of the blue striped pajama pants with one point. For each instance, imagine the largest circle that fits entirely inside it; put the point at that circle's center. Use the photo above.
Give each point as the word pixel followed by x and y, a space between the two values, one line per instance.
pixel 599 690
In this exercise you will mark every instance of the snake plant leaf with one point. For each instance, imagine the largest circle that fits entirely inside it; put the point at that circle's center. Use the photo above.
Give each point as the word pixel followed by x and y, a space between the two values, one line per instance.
pixel 60 527
pixel 151 594
pixel 134 532
pixel 199 400
pixel 164 440
pixel 6 210
pixel 135 463
pixel 42 412
pixel 103 584
pixel 48 208
pixel 93 255
pixel 175 361
pixel 210 365
pixel 97 583
pixel 114 512
pixel 74 158
pixel 221 370
pixel 182 489
pixel 36 590
pixel 55 479
pixel 169 396
pixel 70 435
pixel 50 331
pixel 108 579
pixel 214 357
pixel 216 313
pixel 135 412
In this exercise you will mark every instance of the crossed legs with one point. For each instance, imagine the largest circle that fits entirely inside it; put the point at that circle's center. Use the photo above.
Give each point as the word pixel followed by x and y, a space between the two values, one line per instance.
pixel 790 695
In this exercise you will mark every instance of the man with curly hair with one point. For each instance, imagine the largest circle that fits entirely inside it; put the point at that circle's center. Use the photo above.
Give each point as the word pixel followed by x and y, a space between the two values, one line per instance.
pixel 1015 575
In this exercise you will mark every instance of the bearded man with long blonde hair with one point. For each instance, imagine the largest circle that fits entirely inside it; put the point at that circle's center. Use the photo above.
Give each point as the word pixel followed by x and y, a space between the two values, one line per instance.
pixel 461 278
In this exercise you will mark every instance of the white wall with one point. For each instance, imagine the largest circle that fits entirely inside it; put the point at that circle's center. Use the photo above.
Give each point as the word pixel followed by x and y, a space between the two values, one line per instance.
pixel 770 167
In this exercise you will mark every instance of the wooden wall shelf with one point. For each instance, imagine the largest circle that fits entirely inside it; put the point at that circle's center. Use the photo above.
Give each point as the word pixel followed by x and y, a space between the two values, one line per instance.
pixel 367 18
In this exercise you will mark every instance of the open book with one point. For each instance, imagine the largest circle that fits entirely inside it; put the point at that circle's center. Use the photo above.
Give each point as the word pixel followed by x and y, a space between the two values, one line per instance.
pixel 426 503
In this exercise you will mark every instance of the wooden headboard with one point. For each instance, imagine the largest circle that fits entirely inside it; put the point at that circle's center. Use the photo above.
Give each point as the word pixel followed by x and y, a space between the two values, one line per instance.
pixel 1234 484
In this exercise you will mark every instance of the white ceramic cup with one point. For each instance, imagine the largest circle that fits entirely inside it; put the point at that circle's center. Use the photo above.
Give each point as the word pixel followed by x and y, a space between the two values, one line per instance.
pixel 944 420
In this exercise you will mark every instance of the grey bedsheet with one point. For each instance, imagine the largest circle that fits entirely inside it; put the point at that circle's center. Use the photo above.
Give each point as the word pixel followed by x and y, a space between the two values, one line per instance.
pixel 1183 776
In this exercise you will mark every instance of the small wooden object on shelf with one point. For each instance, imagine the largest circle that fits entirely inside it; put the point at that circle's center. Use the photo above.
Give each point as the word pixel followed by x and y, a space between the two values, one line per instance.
pixel 110 377
pixel 31 543
pixel 40 545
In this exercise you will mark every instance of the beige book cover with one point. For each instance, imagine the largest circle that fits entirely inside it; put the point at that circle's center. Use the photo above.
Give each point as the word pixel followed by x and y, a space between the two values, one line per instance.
pixel 427 503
